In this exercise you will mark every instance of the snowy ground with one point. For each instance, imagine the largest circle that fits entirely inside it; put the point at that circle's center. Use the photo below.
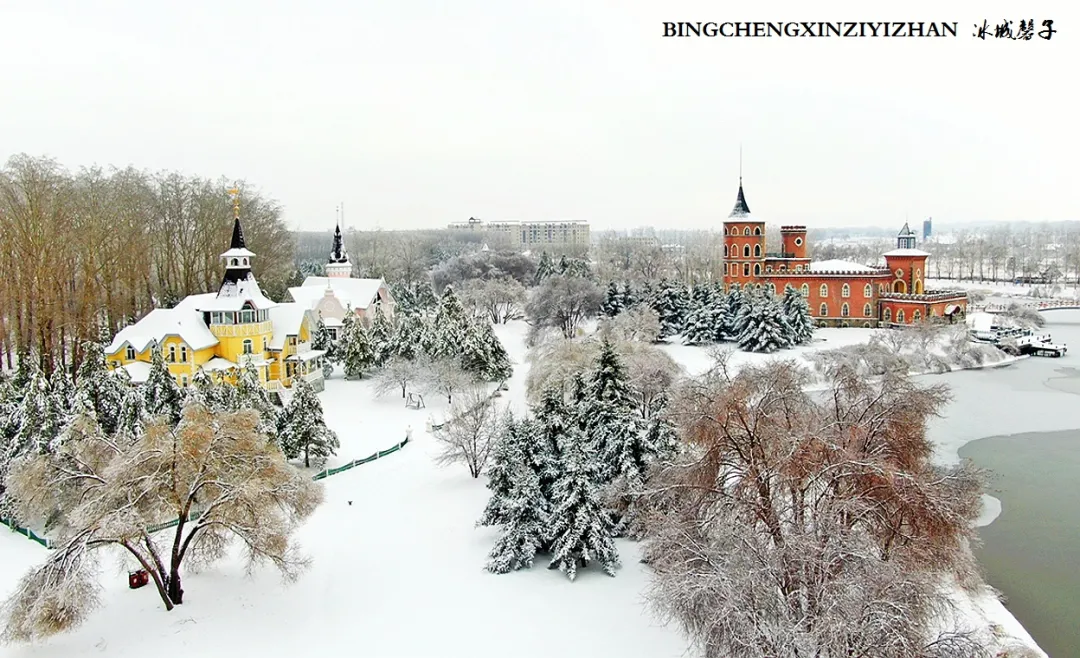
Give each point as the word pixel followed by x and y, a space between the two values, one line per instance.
pixel 400 571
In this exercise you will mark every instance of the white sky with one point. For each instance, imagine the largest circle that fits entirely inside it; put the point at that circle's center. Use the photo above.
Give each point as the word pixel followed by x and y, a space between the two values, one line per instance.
pixel 416 114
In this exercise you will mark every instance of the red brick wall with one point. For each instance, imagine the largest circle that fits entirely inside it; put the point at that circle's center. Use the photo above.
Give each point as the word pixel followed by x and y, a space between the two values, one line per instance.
pixel 736 244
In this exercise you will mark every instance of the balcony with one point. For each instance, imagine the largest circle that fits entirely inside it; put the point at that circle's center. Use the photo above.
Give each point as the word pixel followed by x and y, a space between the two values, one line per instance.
pixel 234 330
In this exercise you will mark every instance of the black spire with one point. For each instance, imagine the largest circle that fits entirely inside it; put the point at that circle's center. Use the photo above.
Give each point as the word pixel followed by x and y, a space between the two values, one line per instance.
pixel 237 236
pixel 337 252
pixel 740 209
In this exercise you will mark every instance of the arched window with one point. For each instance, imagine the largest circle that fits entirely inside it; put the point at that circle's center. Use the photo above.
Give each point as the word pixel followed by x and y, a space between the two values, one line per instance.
pixel 130 353
pixel 868 291
pixel 725 251
pixel 899 286
pixel 768 269
pixel 725 230
pixel 746 251
pixel 806 290
pixel 867 325
pixel 757 230
pixel 918 287
pixel 798 268
pixel 757 269
pixel 746 231
pixel 867 311
pixel 844 310
pixel 916 315
pixel 823 291
pixel 757 251
pixel 172 353
pixel 845 291
pixel 900 316
pixel 824 310
pixel 888 315
pixel 771 288
pixel 746 269
pixel 183 353
pixel 245 260
pixel 783 268
pixel 233 261
pixel 247 346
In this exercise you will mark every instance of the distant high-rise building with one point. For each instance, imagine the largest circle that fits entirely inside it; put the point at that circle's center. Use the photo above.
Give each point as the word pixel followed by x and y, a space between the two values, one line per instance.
pixel 927 228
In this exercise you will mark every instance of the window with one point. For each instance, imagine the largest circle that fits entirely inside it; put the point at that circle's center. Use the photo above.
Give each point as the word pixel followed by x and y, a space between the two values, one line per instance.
pixel 824 291
pixel 247 316
pixel 245 261
pixel 768 269
pixel 746 251
pixel 757 230
pixel 881 288
pixel 900 315
pixel 183 381
pixel 771 288
pixel 746 231
pixel 725 230
pixel 824 310
pixel 916 316
pixel 265 346
pixel 867 311
pixel 183 353
pixel 725 251
pixel 746 269
pixel 130 353
pixel 888 315
pixel 806 290
pixel 757 269
pixel 783 268
pixel 247 346
pixel 867 325
pixel 918 272
pixel 844 310
pixel 798 242
pixel 233 262
pixel 868 291
pixel 845 291
pixel 798 268
pixel 172 353
pixel 757 251
pixel 899 274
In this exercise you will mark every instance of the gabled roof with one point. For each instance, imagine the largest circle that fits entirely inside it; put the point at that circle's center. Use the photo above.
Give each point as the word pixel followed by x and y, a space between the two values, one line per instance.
pixel 287 319
pixel 138 371
pixel 161 323
pixel 357 293
pixel 837 265
pixel 905 232
pixel 234 294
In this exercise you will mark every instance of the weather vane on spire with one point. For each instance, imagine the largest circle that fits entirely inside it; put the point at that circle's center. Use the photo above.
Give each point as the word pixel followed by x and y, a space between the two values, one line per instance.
pixel 235 194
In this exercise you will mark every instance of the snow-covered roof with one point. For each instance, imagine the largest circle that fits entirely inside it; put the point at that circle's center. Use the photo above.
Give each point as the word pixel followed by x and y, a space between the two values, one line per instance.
pixel 232 297
pixel 138 371
pixel 161 323
pixel 218 363
pixel 306 355
pixel 906 252
pixel 237 251
pixel 286 319
pixel 357 293
pixel 837 265
pixel 332 322
pixel 980 321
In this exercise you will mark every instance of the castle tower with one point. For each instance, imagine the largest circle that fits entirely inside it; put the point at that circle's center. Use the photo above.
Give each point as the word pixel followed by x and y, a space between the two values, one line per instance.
pixel 907 264
pixel 794 242
pixel 744 244
pixel 237 258
pixel 338 267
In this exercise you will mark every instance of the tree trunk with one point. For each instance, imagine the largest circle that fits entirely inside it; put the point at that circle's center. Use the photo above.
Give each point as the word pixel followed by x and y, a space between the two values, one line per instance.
pixel 173 589
pixel 307 456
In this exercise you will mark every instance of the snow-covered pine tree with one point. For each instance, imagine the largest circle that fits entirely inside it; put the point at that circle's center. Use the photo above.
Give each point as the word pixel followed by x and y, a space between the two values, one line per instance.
pixel 161 394
pixel 581 527
pixel 35 423
pixel 408 337
pixel 552 420
pixel 524 526
pixel 612 304
pixel 483 355
pixel 701 295
pixel 544 268
pixel 506 455
pixel 340 345
pixel 251 394
pixel 380 336
pixel 700 328
pixel 612 425
pixel 797 311
pixel 447 328
pixel 131 422
pixel 424 297
pixel 629 297
pixel 320 339
pixel 98 391
pixel 764 329
pixel 563 265
pixel 359 353
pixel 302 429
pixel 733 307
pixel 578 267
pixel 644 293
pixel 668 306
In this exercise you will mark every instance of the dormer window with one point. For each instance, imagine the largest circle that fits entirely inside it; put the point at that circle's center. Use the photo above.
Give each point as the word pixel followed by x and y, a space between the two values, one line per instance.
pixel 129 354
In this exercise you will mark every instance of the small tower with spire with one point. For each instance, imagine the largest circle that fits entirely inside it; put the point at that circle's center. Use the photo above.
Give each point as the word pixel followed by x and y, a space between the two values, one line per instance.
pixel 237 258
pixel 338 266
pixel 744 243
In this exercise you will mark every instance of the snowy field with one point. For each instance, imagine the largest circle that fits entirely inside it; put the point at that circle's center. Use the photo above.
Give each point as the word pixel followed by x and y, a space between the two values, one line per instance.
pixel 399 572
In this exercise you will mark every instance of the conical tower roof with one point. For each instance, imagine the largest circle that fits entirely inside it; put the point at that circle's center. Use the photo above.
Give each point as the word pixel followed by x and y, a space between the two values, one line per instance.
pixel 337 251
pixel 237 235
pixel 741 210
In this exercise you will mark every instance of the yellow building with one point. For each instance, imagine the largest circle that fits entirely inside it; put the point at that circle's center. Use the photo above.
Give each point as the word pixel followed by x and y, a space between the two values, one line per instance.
pixel 220 332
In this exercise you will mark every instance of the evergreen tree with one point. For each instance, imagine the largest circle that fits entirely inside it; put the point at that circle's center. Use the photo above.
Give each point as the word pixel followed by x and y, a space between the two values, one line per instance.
pixel 629 297
pixel 797 312
pixel 525 523
pixel 701 295
pixel 541 438
pixel 448 327
pixel 161 394
pixel 408 337
pixel 303 431
pixel 380 337
pixel 764 329
pixel 613 301
pixel 359 354
pixel 98 392
pixel 38 419
pixel 545 268
pixel 251 394
pixel 483 355
pixel 424 298
pixel 582 530
pixel 131 422
pixel 321 340
pixel 700 327
pixel 733 307
pixel 610 421
pixel 564 265
pixel 506 455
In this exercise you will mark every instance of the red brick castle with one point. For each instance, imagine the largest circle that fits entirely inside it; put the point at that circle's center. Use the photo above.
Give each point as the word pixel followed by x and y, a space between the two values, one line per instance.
pixel 840 293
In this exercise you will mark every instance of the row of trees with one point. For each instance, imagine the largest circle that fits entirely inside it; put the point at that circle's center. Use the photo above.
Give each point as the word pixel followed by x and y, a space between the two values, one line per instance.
pixel 95 245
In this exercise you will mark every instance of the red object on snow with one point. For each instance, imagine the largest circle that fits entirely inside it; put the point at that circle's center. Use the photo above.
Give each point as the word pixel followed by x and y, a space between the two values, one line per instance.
pixel 137 579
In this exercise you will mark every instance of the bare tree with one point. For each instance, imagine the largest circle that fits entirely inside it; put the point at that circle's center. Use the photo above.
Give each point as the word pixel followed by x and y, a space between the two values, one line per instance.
pixel 399 373
pixel 446 377
pixel 496 299
pixel 795 526
pixel 215 474
pixel 639 322
pixel 651 373
pixel 553 365
pixel 564 303
pixel 469 436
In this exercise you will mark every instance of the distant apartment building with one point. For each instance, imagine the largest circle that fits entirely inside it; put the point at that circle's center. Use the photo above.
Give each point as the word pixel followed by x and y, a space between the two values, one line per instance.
pixel 927 228
pixel 572 235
